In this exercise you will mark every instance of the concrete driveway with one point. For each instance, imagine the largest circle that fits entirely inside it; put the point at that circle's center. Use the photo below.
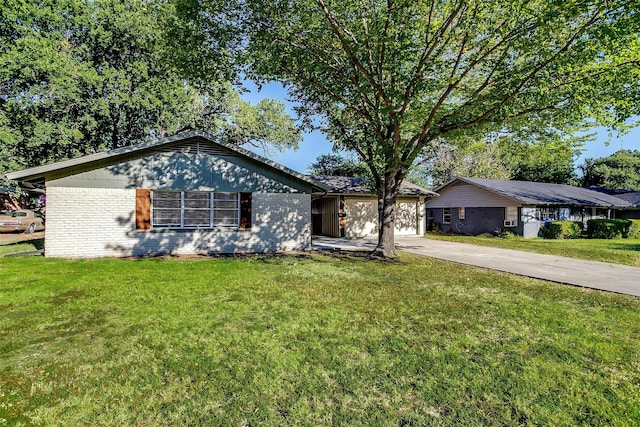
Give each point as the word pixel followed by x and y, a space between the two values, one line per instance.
pixel 589 274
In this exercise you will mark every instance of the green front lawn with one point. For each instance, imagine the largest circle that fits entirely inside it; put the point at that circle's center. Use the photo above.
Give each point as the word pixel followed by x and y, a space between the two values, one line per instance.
pixel 619 251
pixel 314 340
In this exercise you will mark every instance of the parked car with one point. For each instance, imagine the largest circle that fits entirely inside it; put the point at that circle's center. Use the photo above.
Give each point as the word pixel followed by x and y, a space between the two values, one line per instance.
pixel 21 220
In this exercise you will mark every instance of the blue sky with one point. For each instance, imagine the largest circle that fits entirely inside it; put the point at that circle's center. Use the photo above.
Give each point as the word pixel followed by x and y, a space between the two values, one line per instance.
pixel 315 143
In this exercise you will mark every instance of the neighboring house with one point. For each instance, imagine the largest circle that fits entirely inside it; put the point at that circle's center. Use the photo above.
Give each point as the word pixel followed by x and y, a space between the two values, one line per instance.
pixel 186 194
pixel 350 209
pixel 632 197
pixel 474 206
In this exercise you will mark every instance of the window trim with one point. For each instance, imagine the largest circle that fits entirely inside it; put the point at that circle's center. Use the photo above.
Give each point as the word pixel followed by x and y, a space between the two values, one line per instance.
pixel 446 212
pixel 461 213
pixel 211 210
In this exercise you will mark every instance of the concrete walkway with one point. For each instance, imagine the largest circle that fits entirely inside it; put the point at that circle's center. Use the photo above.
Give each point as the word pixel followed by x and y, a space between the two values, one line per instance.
pixel 589 274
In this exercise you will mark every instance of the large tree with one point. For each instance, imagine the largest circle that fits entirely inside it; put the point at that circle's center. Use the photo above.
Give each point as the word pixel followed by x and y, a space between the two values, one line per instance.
pixel 391 77
pixel 80 76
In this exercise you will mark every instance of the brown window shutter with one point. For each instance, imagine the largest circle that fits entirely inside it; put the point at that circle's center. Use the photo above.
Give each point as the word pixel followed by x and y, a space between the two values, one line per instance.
pixel 143 209
pixel 245 211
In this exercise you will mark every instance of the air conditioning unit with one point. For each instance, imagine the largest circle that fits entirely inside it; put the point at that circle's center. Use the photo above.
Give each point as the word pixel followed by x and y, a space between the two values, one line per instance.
pixel 510 223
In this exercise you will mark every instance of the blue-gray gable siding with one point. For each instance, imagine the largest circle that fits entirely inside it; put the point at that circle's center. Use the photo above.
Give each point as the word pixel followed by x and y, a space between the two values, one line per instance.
pixel 192 165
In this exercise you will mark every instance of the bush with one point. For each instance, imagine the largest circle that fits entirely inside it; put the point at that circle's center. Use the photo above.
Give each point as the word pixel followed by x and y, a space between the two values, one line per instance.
pixel 608 228
pixel 562 230
pixel 506 234
pixel 634 230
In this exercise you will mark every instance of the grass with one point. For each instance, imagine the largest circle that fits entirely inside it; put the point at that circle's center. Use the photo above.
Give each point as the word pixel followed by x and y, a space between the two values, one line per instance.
pixel 618 251
pixel 24 246
pixel 313 340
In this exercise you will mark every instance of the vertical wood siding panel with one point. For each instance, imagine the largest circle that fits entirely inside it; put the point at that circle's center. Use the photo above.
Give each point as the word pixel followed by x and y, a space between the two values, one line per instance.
pixel 143 209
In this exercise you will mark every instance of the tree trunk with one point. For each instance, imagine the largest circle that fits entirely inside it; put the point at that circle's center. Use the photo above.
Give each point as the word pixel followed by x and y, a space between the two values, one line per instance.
pixel 387 196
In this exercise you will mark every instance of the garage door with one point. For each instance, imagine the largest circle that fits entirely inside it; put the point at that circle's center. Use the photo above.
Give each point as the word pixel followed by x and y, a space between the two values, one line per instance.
pixel 362 218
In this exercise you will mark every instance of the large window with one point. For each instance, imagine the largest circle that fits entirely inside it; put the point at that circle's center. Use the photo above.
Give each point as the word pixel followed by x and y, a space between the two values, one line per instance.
pixel 194 209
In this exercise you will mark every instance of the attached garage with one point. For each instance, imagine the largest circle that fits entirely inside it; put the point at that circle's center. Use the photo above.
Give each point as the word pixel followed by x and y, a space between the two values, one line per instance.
pixel 350 209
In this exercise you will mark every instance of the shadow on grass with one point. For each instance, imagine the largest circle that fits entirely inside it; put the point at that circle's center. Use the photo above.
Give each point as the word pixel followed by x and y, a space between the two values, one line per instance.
pixel 37 243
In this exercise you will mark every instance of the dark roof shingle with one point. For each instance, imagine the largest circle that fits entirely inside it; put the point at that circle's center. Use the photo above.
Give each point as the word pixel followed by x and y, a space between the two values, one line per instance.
pixel 633 197
pixel 539 193
pixel 351 185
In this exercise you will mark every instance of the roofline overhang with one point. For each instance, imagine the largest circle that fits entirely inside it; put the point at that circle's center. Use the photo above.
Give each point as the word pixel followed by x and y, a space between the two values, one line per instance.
pixel 523 203
pixel 40 172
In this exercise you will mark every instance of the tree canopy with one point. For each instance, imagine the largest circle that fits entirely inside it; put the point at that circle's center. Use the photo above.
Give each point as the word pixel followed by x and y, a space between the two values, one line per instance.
pixel 337 165
pixel 475 160
pixel 80 76
pixel 619 171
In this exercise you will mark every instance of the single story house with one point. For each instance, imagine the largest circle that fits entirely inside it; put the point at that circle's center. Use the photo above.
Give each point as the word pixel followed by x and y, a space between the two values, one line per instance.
pixel 474 206
pixel 350 208
pixel 194 194
pixel 186 194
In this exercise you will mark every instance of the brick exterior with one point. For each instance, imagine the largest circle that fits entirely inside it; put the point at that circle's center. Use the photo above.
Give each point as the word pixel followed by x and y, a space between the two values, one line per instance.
pixel 477 221
pixel 97 222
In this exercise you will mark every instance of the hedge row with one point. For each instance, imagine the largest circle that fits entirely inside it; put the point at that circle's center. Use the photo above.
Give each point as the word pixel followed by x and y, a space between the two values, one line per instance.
pixel 596 229
pixel 608 228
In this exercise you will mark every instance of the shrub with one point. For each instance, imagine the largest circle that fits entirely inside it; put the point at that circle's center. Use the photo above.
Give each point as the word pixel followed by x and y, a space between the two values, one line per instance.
pixel 562 230
pixel 608 228
pixel 634 230
pixel 506 234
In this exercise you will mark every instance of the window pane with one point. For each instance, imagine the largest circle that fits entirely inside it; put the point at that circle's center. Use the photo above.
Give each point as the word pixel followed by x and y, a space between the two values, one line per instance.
pixel 166 217
pixel 226 204
pixel 198 200
pixel 166 199
pixel 225 196
pixel 193 218
pixel 225 217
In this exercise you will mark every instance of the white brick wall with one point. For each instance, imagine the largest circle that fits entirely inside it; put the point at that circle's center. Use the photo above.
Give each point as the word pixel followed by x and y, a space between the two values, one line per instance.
pixel 94 222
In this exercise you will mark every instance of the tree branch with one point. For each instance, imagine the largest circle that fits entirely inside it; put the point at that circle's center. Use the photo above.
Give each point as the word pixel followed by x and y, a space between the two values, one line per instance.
pixel 336 28
pixel 426 54
pixel 527 78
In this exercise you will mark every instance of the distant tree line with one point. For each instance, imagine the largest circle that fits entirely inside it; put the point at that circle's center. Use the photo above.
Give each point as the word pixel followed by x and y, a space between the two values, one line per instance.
pixel 506 159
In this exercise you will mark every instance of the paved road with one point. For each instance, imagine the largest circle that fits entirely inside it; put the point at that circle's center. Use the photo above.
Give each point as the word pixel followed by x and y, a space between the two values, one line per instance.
pixel 589 274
